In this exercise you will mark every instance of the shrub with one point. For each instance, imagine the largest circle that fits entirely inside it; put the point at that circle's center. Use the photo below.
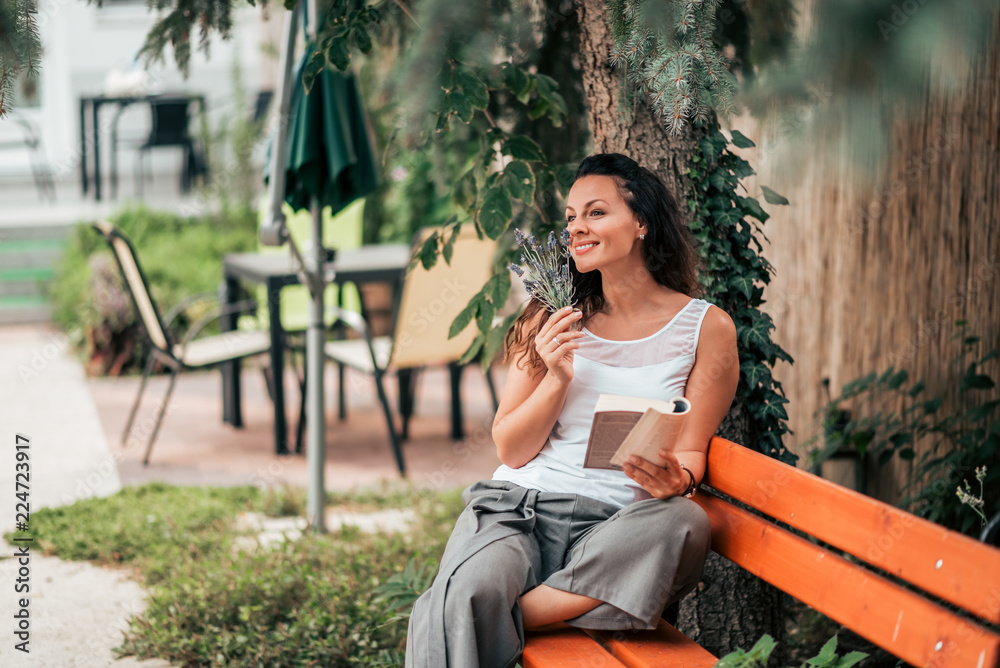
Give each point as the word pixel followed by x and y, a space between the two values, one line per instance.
pixel 962 443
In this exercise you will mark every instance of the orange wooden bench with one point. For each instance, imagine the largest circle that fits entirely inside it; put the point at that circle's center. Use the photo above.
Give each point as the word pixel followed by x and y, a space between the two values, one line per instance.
pixel 920 591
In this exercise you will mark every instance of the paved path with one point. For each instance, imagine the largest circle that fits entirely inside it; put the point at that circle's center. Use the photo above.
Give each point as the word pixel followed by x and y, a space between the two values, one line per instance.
pixel 44 396
pixel 76 610
pixel 77 615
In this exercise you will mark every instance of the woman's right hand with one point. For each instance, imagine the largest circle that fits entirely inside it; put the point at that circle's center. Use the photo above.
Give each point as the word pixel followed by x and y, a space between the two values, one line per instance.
pixel 556 342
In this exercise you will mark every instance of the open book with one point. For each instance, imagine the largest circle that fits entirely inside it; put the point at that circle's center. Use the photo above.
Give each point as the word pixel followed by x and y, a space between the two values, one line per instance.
pixel 626 426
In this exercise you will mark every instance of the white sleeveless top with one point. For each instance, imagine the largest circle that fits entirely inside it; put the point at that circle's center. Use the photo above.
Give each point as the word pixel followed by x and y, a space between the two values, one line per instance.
pixel 655 366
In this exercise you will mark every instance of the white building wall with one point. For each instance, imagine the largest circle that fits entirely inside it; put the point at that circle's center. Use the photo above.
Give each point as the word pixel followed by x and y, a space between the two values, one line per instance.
pixel 83 43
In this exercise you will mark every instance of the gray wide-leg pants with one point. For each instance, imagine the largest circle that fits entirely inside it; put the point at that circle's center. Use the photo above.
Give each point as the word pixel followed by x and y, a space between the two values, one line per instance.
pixel 509 539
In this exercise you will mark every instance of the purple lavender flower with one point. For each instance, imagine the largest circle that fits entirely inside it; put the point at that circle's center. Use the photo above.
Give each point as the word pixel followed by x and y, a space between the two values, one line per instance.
pixel 547 266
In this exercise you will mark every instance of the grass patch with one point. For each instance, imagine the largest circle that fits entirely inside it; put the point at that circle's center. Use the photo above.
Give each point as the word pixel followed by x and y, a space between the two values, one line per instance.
pixel 304 603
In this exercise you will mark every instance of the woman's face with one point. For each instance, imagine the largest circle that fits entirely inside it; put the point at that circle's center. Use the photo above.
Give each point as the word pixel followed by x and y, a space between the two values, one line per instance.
pixel 603 229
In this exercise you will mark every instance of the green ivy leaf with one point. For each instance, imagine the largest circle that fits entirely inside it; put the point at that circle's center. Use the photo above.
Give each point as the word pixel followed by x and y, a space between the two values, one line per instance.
pixel 741 141
pixel 772 197
pixel 520 181
pixel 744 284
pixel 496 212
pixel 719 179
pixel 752 207
pixel 521 147
pixel 916 389
pixel 755 373
pixel 742 169
pixel 773 409
pixel 728 217
pixel 473 87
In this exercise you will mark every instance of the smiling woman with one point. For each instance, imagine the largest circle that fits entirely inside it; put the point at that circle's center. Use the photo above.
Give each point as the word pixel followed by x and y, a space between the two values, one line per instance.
pixel 547 541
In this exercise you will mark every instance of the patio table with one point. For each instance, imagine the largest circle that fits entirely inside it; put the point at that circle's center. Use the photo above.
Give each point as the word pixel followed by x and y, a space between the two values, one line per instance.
pixel 93 139
pixel 368 264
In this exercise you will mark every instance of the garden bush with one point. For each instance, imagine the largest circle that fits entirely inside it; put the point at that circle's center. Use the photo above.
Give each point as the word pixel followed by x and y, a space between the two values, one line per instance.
pixel 964 444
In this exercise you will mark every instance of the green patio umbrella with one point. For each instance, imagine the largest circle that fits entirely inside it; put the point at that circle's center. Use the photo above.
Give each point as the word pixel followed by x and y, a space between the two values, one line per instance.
pixel 329 153
pixel 321 157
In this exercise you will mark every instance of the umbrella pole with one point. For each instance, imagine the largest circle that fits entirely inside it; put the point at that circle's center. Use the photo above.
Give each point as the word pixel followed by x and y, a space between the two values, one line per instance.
pixel 315 338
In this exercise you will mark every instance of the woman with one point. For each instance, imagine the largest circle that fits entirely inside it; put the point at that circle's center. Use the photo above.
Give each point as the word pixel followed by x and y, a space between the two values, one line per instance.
pixel 547 541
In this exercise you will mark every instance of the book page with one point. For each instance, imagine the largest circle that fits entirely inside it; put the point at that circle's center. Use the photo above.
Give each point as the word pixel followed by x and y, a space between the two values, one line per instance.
pixel 653 431
pixel 606 435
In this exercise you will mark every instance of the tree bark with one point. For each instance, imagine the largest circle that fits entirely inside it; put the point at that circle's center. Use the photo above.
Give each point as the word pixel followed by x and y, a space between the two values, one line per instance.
pixel 730 608
pixel 619 117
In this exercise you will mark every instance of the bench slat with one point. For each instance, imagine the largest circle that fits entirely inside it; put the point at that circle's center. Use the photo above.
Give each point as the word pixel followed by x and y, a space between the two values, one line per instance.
pixel 899 620
pixel 944 563
pixel 664 646
pixel 565 648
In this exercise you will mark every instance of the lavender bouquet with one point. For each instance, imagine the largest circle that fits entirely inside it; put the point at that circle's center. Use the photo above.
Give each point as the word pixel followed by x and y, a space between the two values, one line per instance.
pixel 547 267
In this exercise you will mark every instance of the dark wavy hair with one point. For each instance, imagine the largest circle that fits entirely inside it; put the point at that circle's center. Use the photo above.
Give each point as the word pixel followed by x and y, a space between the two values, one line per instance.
pixel 668 250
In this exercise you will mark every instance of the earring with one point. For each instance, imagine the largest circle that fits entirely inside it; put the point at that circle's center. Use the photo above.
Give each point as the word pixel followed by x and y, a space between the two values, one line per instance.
pixel 641 237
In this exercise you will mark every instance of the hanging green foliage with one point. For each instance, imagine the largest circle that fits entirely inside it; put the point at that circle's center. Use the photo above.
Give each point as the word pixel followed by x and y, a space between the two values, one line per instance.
pixel 20 46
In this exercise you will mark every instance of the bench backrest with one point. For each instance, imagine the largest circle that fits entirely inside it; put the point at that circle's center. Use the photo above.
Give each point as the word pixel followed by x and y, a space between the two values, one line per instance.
pixel 933 563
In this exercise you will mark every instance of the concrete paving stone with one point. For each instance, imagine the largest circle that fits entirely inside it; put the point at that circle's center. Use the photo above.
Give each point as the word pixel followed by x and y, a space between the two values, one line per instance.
pixel 77 615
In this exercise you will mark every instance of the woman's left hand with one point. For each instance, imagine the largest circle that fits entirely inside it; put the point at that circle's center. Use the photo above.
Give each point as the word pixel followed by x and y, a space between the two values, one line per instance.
pixel 663 482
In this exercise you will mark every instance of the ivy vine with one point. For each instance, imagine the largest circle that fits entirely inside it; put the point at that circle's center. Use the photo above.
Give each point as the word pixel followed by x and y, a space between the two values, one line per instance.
pixel 728 226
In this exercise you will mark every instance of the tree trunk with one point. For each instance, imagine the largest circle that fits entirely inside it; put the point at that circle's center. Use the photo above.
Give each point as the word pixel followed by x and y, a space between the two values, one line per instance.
pixel 730 608
pixel 620 120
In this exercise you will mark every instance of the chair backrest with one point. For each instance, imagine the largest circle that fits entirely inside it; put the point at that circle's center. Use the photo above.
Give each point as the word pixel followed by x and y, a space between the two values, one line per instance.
pixel 432 298
pixel 170 122
pixel 135 280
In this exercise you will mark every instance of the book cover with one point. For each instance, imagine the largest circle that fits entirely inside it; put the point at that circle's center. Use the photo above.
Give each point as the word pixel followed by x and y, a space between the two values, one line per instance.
pixel 625 426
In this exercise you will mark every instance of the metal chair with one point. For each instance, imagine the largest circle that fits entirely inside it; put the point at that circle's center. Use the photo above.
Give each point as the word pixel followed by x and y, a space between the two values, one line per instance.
pixel 190 352
pixel 170 127
pixel 429 303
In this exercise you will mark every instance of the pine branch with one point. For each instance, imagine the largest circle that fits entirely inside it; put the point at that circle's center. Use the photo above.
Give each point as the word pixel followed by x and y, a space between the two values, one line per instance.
pixel 32 46
pixel 676 62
